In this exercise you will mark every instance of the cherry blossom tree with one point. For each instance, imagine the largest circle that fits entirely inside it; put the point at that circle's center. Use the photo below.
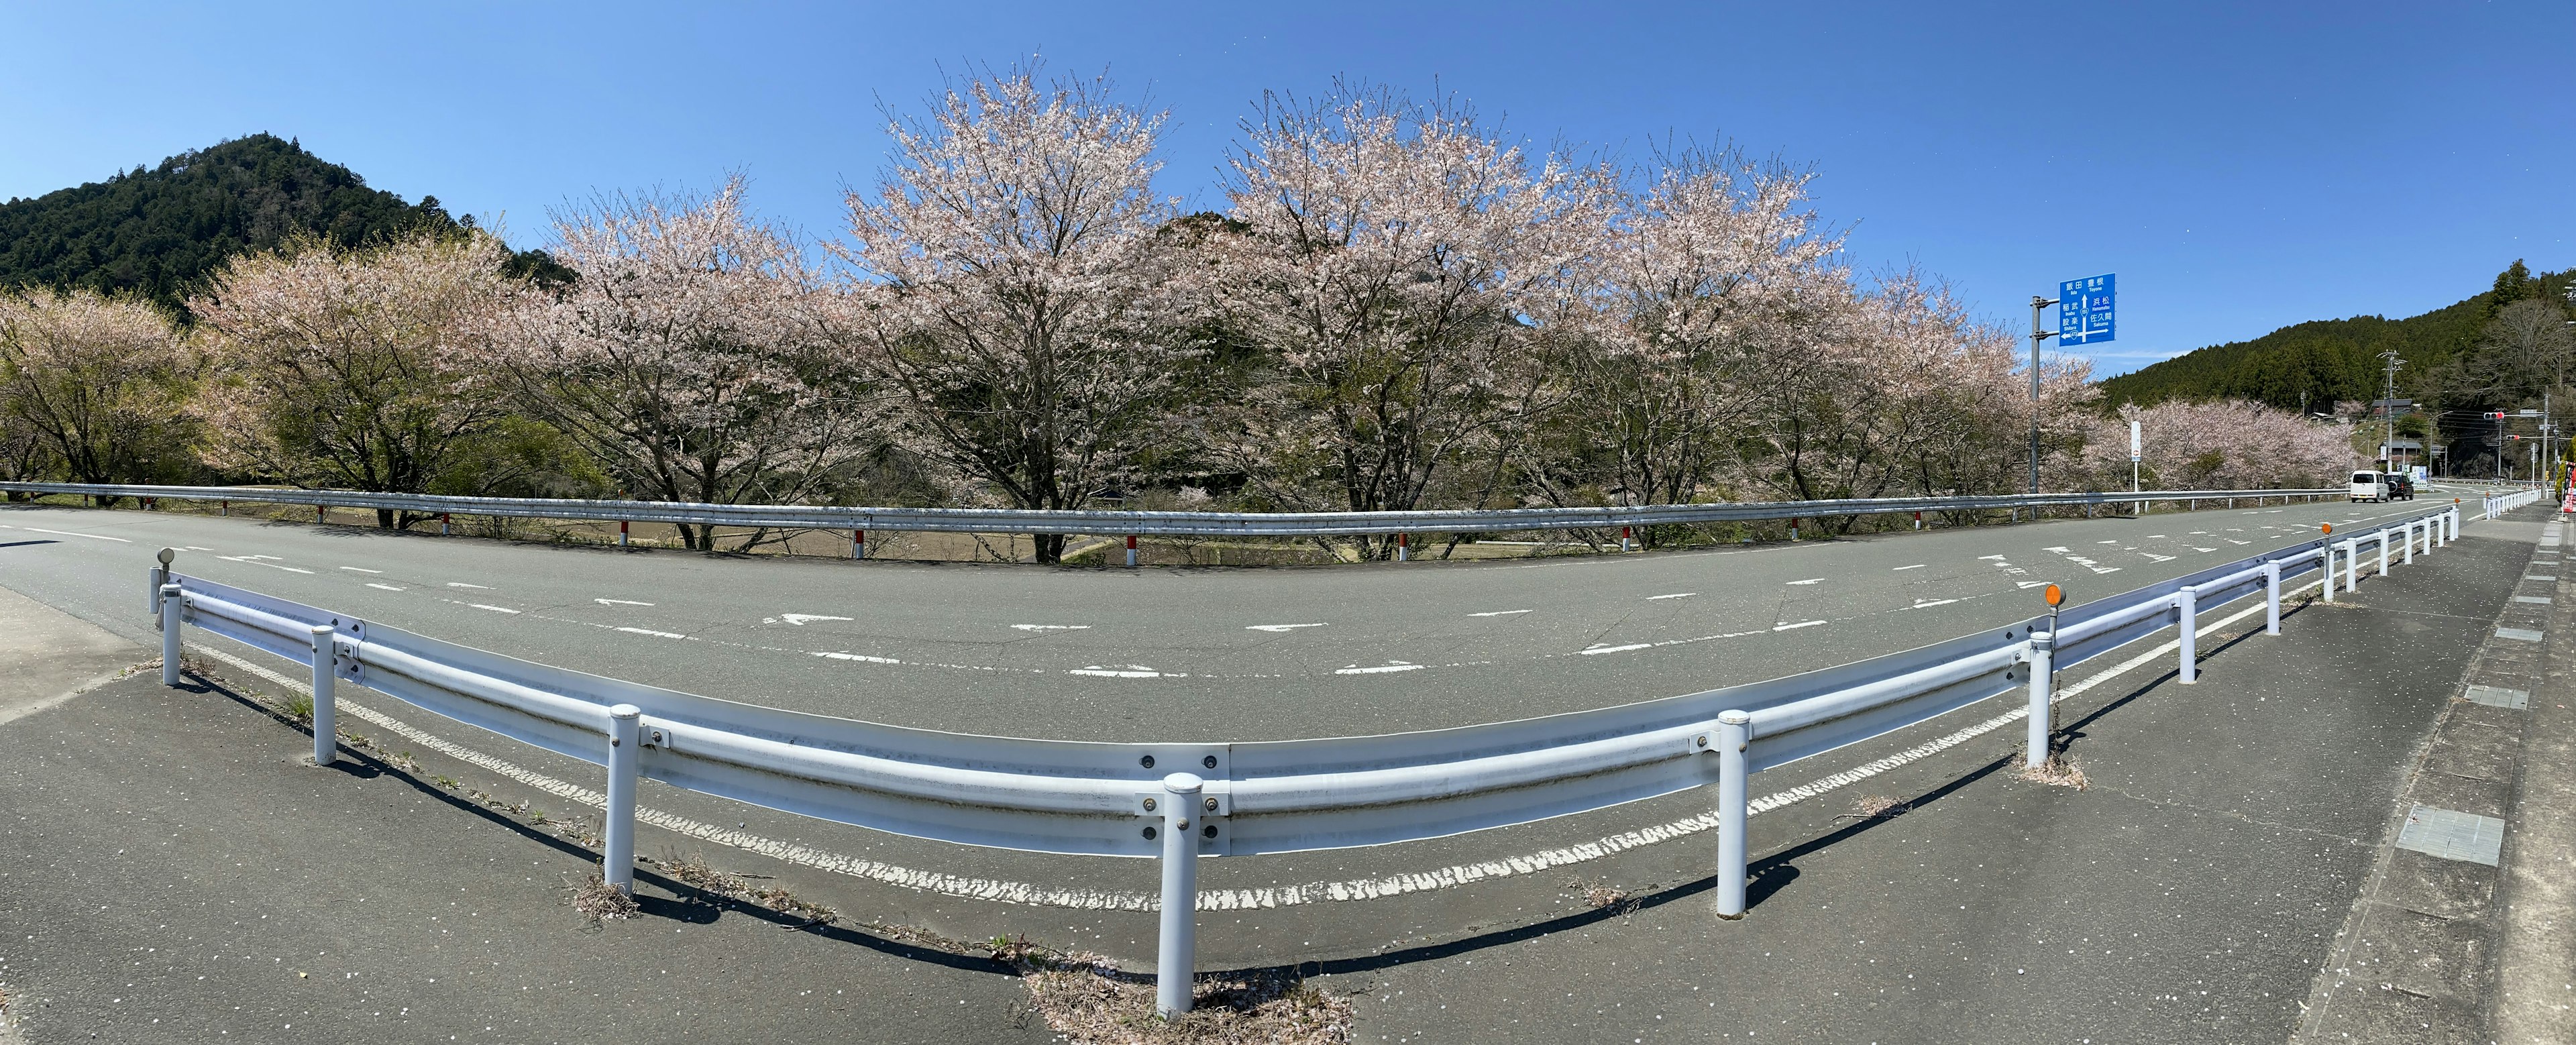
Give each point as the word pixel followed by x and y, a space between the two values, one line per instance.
pixel 2231 445
pixel 1404 270
pixel 1698 272
pixel 690 357
pixel 1013 287
pixel 341 368
pixel 93 384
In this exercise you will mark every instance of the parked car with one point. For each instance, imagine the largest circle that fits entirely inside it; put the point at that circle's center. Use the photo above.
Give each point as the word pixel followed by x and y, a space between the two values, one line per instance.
pixel 2369 486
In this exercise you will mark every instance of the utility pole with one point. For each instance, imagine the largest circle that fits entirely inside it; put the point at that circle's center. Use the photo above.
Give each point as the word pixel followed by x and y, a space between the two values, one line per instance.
pixel 2388 409
pixel 2036 337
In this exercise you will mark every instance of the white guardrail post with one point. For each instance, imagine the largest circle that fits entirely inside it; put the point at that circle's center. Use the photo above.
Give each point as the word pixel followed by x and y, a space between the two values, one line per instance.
pixel 2042 649
pixel 617 848
pixel 170 619
pixel 2187 622
pixel 326 733
pixel 2383 550
pixel 2351 563
pixel 1176 954
pixel 2272 596
pixel 1734 734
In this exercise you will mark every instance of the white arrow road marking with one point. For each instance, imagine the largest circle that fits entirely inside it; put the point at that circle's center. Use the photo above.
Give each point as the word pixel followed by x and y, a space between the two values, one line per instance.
pixel 2204 549
pixel 1675 595
pixel 360 569
pixel 620 602
pixel 655 634
pixel 495 609
pixel 382 587
pixel 1036 627
pixel 1498 613
pixel 799 619
pixel 2156 557
pixel 1285 627
pixel 1389 666
pixel 462 584
pixel 1990 557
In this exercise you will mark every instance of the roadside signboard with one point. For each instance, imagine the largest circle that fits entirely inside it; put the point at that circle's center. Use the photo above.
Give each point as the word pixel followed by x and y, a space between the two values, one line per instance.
pixel 2084 310
pixel 2134 456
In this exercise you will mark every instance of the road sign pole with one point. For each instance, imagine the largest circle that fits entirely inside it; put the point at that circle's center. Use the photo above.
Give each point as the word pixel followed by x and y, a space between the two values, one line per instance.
pixel 2037 336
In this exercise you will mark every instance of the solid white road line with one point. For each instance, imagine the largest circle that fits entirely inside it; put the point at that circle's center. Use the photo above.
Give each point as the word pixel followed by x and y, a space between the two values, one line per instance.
pixel 495 609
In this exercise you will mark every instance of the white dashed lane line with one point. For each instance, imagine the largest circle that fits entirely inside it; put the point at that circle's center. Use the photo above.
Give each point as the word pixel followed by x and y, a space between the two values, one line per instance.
pixel 1278 627
pixel 495 609
pixel 382 587
pixel 645 631
pixel 360 569
pixel 620 602
pixel 462 584
pixel 1675 595
pixel 1498 613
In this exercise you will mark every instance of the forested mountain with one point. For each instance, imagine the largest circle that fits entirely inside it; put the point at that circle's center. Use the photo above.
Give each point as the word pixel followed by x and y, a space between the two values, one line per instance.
pixel 157 232
pixel 2334 359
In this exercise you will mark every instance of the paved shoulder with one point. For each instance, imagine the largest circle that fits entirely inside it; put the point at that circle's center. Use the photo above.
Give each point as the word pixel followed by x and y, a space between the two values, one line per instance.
pixel 170 876
pixel 46 655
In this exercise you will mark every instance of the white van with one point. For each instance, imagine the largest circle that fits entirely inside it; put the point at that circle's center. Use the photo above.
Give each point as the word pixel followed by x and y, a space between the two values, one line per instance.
pixel 2369 486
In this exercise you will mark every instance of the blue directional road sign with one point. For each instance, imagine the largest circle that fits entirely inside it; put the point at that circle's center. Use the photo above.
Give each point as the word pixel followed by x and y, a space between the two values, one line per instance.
pixel 2084 310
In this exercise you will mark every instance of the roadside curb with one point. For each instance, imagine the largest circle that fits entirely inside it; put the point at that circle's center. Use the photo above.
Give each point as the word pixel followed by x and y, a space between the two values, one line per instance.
pixel 2417 958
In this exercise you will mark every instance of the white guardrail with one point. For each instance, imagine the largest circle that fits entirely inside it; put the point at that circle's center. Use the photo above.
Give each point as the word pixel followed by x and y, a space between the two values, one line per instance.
pixel 1132 524
pixel 1180 801
pixel 2498 504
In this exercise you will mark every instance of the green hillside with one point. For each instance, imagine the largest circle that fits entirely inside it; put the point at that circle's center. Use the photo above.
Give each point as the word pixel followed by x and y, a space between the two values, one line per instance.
pixel 158 232
pixel 2330 359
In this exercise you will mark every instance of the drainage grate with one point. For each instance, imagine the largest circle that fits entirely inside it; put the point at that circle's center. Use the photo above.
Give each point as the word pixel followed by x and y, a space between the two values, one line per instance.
pixel 2453 836
pixel 2540 576
pixel 2518 634
pixel 2499 697
pixel 2541 599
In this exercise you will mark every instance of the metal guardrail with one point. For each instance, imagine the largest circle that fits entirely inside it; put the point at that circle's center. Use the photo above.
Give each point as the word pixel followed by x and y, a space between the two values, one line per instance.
pixel 1113 523
pixel 2498 504
pixel 1180 801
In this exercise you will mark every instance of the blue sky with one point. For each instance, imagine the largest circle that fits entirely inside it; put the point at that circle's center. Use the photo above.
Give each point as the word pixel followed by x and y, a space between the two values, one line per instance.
pixel 2240 166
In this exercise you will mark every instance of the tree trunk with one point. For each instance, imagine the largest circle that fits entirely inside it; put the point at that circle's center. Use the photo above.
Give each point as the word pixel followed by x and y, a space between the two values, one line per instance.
pixel 1050 547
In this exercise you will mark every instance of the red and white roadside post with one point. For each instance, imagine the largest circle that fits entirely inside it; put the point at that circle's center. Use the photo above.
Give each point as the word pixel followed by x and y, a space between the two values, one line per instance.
pixel 1131 550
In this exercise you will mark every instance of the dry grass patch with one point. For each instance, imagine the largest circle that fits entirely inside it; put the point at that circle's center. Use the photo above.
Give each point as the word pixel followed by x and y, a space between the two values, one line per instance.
pixel 600 902
pixel 2056 773
pixel 696 873
pixel 1091 1002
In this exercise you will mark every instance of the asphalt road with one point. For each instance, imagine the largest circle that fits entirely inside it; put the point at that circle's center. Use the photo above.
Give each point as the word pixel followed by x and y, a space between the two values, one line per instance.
pixel 1217 654
pixel 2189 895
